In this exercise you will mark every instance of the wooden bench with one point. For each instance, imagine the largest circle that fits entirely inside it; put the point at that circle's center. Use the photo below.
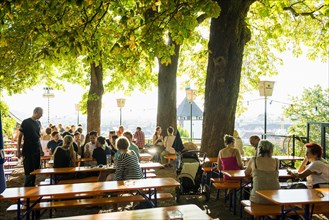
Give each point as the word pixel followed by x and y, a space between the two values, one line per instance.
pixel 88 179
pixel 44 205
pixel 151 175
pixel 10 164
pixel 8 172
pixel 273 210
pixel 170 157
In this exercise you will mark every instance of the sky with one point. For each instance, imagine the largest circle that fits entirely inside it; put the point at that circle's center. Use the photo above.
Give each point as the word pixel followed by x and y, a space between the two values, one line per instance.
pixel 295 75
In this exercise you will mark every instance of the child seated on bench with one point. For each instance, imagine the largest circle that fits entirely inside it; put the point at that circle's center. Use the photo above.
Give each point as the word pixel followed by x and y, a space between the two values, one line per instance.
pixel 127 165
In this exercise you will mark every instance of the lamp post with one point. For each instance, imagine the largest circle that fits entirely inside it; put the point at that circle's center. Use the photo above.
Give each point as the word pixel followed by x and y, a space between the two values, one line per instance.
pixel 77 108
pixel 48 94
pixel 265 89
pixel 121 103
pixel 190 96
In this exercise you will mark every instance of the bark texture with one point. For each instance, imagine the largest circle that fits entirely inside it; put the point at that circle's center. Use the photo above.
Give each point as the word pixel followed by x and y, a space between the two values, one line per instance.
pixel 228 36
pixel 94 103
pixel 167 89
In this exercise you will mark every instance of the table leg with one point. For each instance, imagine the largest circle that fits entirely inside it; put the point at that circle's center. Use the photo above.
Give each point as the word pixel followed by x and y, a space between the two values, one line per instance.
pixel 28 208
pixel 18 209
pixel 155 198
pixel 282 212
pixel 307 212
pixel 234 202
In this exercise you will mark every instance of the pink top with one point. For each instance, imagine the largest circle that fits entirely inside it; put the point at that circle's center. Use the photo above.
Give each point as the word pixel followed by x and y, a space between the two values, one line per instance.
pixel 229 163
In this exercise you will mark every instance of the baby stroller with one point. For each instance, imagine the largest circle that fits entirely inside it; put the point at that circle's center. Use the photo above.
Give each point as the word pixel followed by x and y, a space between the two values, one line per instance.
pixel 190 174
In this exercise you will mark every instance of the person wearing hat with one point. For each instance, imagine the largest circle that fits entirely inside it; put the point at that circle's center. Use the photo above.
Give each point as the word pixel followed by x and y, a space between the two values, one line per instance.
pixel 264 171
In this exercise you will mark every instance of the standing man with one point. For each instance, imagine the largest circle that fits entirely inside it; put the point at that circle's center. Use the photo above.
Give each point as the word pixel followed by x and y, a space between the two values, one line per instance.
pixel 31 147
pixel 139 138
pixel 254 140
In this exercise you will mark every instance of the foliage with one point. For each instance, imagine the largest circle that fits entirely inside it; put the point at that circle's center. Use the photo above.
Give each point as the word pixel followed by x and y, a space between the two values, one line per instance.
pixel 311 106
pixel 8 123
pixel 275 26
pixel 183 132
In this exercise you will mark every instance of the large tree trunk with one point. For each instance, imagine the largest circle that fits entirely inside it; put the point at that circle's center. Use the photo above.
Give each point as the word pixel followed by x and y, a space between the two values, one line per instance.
pixel 94 103
pixel 167 112
pixel 228 36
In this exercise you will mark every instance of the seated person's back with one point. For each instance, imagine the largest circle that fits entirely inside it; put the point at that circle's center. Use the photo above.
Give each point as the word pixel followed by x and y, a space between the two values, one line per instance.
pixel 99 153
pixel 127 164
pixel 229 158
pixel 64 156
pixel 264 171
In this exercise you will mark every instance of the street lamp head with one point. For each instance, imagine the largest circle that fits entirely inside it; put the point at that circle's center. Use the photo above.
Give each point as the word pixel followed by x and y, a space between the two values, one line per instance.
pixel 266 88
pixel 47 93
pixel 121 103
pixel 190 94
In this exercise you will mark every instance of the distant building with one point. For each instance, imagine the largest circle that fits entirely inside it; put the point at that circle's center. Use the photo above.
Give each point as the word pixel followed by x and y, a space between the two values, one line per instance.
pixel 184 117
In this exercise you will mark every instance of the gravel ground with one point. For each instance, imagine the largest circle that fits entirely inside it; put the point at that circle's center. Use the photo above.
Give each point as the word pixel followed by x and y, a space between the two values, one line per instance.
pixel 217 209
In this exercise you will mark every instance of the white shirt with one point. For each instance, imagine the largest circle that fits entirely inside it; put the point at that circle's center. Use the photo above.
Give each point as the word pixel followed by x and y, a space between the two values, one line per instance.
pixel 320 172
pixel 168 142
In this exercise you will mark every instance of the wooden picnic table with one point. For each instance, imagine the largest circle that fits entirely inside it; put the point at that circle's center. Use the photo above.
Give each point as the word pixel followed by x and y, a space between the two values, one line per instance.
pixel 293 197
pixel 10 164
pixel 95 188
pixel 145 156
pixel 77 161
pixel 240 175
pixel 55 171
pixel 189 212
pixel 10 150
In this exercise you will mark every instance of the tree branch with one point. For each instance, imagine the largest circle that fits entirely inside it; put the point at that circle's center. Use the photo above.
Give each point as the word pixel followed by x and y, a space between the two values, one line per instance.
pixel 92 18
pixel 297 14
pixel 99 21
pixel 201 18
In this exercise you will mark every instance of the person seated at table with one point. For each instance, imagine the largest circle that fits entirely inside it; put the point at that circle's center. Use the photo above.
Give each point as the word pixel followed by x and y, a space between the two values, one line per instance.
pixel 54 143
pixel 238 142
pixel 264 171
pixel 168 143
pixel 229 158
pixel 317 171
pixel 157 141
pixel 132 145
pixel 82 136
pixel 120 131
pixel 78 141
pixel 254 140
pixel 111 142
pixel 100 152
pixel 128 162
pixel 64 156
pixel 90 146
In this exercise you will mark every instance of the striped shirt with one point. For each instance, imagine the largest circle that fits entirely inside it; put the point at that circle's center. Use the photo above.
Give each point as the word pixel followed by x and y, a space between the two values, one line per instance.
pixel 128 167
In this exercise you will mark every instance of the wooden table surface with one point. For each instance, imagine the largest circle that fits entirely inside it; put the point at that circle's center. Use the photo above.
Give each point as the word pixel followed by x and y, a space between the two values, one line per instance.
pixel 79 160
pixel 88 188
pixel 11 149
pixel 189 212
pixel 144 166
pixel 296 196
pixel 281 158
pixel 70 170
pixel 211 159
pixel 240 173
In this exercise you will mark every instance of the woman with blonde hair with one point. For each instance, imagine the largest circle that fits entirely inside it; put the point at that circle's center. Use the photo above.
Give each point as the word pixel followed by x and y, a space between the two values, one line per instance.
pixel 64 156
